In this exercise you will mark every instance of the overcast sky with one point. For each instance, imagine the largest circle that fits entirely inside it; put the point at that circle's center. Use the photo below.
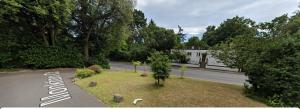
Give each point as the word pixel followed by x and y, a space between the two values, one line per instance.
pixel 195 15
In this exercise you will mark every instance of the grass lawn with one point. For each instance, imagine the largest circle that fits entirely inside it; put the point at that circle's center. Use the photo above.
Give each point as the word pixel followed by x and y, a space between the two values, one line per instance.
pixel 175 93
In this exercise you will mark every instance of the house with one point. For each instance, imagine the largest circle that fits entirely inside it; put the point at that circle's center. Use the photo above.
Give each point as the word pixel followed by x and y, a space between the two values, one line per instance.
pixel 196 55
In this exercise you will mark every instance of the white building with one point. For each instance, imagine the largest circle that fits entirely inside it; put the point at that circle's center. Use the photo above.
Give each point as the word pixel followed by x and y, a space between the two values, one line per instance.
pixel 196 55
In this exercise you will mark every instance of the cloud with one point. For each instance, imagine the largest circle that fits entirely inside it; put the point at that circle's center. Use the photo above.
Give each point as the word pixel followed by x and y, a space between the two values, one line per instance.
pixel 191 30
pixel 195 15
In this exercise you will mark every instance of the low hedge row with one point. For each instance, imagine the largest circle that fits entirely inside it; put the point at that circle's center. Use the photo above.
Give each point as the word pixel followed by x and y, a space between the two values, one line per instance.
pixel 51 57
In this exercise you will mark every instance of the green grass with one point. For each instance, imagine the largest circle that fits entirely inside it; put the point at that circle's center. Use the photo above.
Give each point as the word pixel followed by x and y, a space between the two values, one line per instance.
pixel 175 93
pixel 8 70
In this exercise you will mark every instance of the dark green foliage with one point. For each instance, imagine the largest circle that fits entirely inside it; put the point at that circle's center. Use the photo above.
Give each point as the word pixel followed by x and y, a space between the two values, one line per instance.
pixel 101 60
pixel 51 57
pixel 139 53
pixel 228 29
pixel 160 39
pixel 274 72
pixel 179 57
pixel 119 55
pixel 196 44
pixel 84 73
pixel 5 58
pixel 160 66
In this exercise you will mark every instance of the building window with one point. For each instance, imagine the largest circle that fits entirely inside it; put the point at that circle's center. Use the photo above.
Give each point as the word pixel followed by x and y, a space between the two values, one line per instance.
pixel 189 54
pixel 199 54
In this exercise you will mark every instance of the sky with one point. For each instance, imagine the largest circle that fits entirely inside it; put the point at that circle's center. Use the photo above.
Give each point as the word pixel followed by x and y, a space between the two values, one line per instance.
pixel 195 15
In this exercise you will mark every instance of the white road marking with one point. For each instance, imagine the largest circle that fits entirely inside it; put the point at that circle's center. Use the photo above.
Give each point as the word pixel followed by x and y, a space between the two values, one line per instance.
pixel 56 89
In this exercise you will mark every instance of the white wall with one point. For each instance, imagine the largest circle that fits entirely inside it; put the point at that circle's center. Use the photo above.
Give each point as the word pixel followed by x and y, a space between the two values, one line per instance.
pixel 195 57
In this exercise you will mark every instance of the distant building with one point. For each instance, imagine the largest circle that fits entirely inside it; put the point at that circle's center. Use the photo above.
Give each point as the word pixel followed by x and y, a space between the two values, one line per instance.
pixel 196 55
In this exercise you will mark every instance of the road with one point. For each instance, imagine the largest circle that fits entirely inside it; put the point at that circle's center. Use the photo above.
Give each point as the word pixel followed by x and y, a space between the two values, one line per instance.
pixel 226 77
pixel 26 88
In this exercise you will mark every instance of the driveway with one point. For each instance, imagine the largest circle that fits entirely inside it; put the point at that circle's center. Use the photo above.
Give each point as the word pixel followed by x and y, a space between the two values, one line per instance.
pixel 47 88
pixel 226 77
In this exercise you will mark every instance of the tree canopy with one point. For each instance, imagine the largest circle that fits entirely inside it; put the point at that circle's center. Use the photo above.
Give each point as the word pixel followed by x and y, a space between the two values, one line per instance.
pixel 228 29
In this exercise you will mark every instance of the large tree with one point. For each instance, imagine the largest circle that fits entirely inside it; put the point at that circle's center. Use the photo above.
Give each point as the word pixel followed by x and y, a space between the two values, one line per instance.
pixel 139 22
pixel 236 51
pixel 228 29
pixel 159 38
pixel 276 27
pixel 41 18
pixel 94 18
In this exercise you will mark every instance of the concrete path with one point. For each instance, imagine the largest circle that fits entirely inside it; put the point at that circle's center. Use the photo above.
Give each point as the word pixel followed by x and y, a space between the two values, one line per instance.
pixel 227 77
pixel 26 88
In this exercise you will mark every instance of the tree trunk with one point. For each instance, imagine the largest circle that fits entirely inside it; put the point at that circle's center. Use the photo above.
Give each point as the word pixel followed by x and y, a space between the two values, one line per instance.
pixel 45 39
pixel 158 81
pixel 203 61
pixel 86 49
pixel 86 45
pixel 52 36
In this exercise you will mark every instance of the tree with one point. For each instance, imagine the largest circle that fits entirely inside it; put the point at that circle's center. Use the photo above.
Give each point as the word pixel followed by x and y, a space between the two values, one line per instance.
pixel 160 39
pixel 294 24
pixel 139 22
pixel 235 52
pixel 229 29
pixel 273 71
pixel 183 69
pixel 160 66
pixel 273 65
pixel 195 43
pixel 43 19
pixel 181 34
pixel 276 27
pixel 135 64
pixel 93 17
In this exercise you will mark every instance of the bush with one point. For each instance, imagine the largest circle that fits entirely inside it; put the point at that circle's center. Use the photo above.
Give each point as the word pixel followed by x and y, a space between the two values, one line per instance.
pixel 119 55
pixel 4 59
pixel 135 64
pixel 160 65
pixel 51 57
pixel 274 72
pixel 101 60
pixel 96 68
pixel 84 73
pixel 139 53
pixel 179 57
pixel 183 69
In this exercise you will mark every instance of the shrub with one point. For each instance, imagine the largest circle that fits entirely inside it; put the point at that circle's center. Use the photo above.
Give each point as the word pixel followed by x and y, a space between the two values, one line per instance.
pixel 84 73
pixel 119 55
pixel 160 65
pixel 96 68
pixel 4 59
pixel 135 64
pixel 51 57
pixel 101 60
pixel 139 52
pixel 274 72
pixel 179 57
pixel 183 68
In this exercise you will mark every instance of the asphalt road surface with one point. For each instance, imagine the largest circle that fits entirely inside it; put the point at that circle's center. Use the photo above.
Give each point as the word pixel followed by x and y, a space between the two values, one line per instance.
pixel 226 77
pixel 26 88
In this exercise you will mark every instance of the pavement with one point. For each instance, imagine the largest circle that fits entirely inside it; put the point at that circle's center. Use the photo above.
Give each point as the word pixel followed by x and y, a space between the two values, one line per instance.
pixel 220 76
pixel 26 88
